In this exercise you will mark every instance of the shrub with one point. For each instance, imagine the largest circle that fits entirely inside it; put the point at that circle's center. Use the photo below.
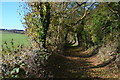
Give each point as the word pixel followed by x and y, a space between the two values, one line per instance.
pixel 25 63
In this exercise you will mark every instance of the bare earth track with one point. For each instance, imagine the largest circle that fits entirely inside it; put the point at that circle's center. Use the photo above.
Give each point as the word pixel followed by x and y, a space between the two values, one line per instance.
pixel 76 63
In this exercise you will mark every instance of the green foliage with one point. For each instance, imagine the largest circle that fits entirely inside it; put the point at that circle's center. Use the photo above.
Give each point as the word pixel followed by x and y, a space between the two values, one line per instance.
pixel 37 23
pixel 92 25
pixel 11 47
pixel 59 25
pixel 103 24
pixel 13 64
pixel 25 63
pixel 35 29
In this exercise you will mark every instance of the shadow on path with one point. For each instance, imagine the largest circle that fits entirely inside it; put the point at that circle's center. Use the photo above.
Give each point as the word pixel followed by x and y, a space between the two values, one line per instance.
pixel 68 67
pixel 77 52
pixel 72 65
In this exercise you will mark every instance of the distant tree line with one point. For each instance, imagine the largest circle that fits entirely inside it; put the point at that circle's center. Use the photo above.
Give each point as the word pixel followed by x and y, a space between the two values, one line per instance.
pixel 13 31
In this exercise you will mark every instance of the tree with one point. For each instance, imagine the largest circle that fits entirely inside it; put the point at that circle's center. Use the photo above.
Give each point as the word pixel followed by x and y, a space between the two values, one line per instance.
pixel 37 22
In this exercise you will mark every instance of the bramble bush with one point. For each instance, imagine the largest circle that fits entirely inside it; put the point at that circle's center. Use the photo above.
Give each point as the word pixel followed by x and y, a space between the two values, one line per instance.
pixel 24 62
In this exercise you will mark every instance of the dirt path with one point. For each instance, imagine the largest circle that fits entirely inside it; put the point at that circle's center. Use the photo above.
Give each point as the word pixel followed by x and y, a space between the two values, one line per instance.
pixel 69 65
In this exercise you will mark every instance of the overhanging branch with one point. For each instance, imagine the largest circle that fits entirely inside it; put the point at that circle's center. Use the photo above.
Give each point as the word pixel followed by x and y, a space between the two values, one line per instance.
pixel 80 4
pixel 84 15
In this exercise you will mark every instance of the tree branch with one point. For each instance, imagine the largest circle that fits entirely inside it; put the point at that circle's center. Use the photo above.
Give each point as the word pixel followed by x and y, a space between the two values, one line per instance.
pixel 80 4
pixel 112 10
pixel 84 15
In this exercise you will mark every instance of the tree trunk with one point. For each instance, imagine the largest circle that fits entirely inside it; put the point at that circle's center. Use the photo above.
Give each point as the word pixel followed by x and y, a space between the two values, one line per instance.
pixel 46 23
pixel 66 36
pixel 78 38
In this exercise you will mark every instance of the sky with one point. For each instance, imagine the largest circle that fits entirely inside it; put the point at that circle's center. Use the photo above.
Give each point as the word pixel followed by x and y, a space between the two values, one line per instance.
pixel 10 18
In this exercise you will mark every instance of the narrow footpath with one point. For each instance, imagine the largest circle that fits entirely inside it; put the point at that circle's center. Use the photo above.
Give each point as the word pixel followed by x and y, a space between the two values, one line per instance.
pixel 76 63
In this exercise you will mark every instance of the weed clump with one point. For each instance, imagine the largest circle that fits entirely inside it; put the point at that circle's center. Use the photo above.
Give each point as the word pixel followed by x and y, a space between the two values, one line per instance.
pixel 21 62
